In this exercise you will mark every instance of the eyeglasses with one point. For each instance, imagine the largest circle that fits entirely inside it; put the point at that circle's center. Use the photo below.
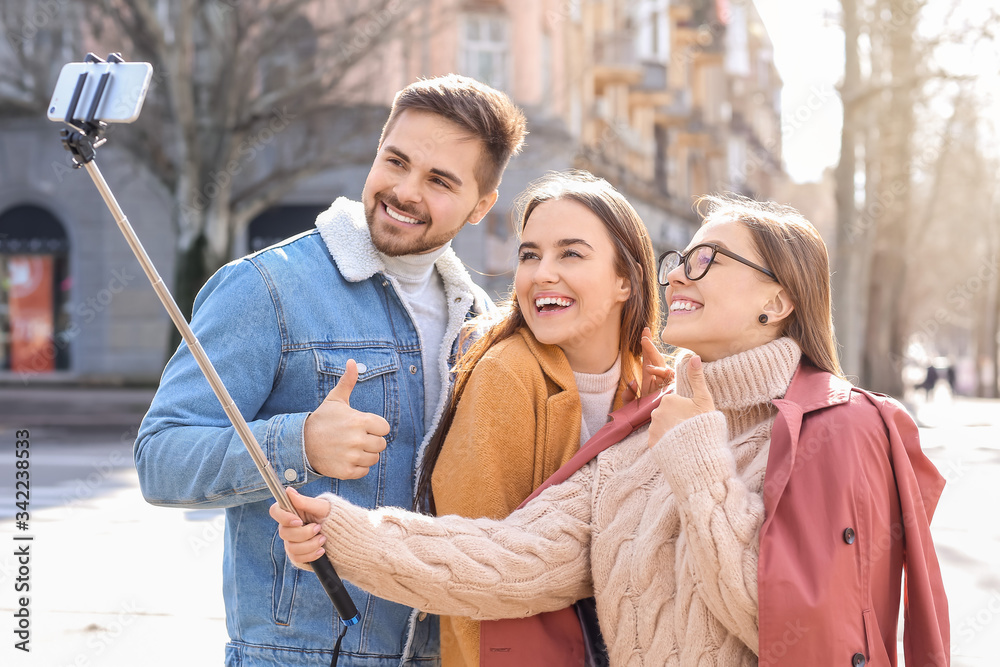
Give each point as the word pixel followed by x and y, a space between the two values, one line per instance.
pixel 697 261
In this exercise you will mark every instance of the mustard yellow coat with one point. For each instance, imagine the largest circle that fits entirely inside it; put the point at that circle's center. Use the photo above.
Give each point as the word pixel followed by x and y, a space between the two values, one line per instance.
pixel 517 422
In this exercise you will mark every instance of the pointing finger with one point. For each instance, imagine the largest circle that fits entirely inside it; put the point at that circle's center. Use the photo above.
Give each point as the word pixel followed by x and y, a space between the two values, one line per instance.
pixel 651 355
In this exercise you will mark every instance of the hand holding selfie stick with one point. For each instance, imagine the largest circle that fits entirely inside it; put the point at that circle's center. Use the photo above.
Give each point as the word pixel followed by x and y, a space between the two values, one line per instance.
pixel 82 140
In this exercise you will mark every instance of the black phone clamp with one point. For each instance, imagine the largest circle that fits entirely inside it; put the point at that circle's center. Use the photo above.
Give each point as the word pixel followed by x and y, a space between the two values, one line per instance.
pixel 83 137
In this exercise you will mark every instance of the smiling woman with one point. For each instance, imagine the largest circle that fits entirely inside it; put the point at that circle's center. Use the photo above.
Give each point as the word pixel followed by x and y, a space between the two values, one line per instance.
pixel 567 287
pixel 720 312
pixel 555 361
pixel 742 304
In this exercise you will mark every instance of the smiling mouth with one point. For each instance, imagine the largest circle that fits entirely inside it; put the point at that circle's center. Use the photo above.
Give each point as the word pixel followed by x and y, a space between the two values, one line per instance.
pixel 405 219
pixel 684 306
pixel 552 304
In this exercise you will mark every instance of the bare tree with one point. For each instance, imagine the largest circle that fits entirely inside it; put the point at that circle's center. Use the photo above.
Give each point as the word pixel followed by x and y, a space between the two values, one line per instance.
pixel 248 98
pixel 885 336
pixel 849 287
pixel 887 90
pixel 952 276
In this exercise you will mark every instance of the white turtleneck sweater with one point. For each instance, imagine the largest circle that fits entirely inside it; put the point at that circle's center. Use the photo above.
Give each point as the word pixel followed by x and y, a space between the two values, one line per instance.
pixel 597 395
pixel 423 291
pixel 666 537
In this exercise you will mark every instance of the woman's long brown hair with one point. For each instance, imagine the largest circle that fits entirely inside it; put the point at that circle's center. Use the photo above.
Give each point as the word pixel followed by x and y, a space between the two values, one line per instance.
pixel 634 260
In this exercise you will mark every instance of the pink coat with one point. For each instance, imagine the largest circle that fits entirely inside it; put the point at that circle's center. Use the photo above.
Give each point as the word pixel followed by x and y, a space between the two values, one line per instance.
pixel 848 496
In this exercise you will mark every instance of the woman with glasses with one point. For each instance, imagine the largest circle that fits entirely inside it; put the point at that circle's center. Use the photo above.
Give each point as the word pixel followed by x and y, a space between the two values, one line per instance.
pixel 764 517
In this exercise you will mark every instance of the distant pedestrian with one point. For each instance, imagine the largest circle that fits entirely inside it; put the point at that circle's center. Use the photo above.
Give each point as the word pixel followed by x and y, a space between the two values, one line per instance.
pixel 930 381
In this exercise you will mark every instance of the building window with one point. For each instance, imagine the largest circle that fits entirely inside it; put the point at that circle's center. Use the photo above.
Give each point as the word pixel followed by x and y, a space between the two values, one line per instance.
pixel 280 222
pixel 485 49
pixel 35 330
pixel 652 19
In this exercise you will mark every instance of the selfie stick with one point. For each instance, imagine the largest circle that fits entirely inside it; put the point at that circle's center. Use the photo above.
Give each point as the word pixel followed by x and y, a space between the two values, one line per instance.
pixel 82 141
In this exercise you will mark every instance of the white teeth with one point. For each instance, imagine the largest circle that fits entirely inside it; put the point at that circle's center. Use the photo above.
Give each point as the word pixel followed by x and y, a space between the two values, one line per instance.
pixel 401 218
pixel 553 301
pixel 682 305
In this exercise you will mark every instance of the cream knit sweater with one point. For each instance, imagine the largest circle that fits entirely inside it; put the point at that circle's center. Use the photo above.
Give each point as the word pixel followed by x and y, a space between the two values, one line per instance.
pixel 666 538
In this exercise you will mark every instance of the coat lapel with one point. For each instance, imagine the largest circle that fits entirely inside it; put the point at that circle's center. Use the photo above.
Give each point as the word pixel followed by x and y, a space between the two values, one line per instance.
pixel 810 389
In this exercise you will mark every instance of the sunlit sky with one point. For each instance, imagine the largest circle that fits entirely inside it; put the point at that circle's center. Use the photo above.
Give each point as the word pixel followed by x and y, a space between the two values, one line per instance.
pixel 809 55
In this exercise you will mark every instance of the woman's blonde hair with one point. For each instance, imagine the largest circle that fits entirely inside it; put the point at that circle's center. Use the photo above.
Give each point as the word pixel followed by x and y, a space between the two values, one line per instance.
pixel 790 246
pixel 634 260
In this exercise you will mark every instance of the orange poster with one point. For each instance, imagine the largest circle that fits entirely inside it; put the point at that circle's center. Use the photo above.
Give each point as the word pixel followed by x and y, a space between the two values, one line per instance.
pixel 31 313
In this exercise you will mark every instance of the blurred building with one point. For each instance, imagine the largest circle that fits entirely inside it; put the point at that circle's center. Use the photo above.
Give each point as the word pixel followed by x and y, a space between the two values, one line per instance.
pixel 667 99
pixel 674 100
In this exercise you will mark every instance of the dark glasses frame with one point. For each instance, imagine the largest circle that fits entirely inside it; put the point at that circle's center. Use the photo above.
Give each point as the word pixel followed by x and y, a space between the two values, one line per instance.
pixel 682 260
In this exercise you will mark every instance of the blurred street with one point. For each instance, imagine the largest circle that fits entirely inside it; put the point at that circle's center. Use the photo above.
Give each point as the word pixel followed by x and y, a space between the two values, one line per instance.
pixel 116 582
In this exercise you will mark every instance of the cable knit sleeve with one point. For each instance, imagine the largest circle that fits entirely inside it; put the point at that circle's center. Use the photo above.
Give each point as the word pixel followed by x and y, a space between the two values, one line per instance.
pixel 720 518
pixel 535 560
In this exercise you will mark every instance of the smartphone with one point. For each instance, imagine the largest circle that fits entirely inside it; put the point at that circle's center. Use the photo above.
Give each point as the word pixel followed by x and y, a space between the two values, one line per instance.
pixel 121 100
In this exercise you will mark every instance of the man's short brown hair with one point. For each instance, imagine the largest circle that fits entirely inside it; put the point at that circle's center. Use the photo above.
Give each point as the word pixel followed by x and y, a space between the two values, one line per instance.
pixel 484 112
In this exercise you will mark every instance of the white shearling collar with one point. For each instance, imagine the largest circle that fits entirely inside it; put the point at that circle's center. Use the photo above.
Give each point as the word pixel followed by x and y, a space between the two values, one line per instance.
pixel 348 240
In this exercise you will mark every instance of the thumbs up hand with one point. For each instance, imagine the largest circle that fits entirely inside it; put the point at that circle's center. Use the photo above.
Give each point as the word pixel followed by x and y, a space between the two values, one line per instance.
pixel 674 409
pixel 340 441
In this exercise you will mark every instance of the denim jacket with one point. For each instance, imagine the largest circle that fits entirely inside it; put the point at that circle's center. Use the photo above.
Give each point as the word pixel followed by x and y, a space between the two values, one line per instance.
pixel 279 326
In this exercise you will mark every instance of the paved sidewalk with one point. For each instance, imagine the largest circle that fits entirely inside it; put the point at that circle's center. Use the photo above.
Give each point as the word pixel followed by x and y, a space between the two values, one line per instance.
pixel 116 582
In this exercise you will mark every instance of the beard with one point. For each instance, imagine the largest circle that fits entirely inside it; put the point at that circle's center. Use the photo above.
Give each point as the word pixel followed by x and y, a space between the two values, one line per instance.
pixel 395 242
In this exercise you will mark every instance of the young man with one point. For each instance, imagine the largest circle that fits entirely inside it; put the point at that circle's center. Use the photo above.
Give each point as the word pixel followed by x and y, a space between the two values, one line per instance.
pixel 335 346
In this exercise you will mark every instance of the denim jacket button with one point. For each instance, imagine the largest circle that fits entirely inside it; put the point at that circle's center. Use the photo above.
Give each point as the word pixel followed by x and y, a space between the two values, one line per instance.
pixel 291 475
pixel 361 368
pixel 422 616
pixel 413 370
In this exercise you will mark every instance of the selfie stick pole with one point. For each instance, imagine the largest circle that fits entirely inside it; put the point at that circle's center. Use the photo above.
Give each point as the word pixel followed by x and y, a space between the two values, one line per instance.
pixel 82 142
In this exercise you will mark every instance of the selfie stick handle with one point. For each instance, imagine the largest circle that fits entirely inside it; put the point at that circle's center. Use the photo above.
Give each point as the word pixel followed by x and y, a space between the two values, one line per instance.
pixel 328 577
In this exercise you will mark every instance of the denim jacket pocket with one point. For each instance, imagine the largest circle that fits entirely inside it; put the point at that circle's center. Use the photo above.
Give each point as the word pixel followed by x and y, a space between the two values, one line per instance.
pixel 377 390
